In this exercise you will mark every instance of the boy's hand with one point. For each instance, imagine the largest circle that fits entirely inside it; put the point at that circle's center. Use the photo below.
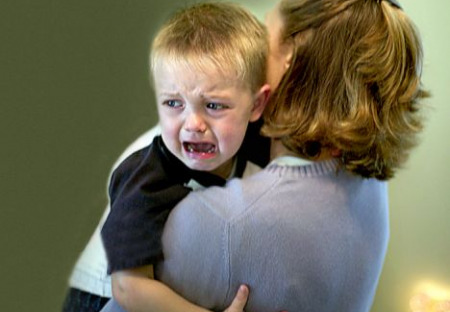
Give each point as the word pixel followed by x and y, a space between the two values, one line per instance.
pixel 239 301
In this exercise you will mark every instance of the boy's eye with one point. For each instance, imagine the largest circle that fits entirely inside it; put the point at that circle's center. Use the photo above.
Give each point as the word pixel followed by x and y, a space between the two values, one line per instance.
pixel 216 106
pixel 173 103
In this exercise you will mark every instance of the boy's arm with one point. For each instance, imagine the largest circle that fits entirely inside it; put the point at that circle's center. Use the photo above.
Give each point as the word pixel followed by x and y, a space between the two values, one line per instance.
pixel 144 189
pixel 136 291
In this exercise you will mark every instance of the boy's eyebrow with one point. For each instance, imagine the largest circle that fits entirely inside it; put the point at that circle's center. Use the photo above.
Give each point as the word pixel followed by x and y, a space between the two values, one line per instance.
pixel 169 93
pixel 216 95
pixel 205 94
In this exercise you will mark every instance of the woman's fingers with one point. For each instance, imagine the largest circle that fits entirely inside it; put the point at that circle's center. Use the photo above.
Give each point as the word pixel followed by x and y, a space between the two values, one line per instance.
pixel 239 301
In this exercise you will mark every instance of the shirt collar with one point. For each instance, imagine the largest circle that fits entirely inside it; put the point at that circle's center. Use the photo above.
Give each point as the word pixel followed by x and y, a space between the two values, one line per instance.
pixel 195 185
pixel 291 161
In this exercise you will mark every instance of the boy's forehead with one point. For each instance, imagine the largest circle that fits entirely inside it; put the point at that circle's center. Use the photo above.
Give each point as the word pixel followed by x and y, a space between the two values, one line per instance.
pixel 190 72
pixel 206 65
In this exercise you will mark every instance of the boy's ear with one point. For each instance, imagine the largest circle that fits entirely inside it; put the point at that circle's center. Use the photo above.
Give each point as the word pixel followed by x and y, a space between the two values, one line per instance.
pixel 260 102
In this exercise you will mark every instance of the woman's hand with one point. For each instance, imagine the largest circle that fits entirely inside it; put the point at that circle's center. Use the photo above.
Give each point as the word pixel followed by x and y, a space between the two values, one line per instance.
pixel 239 301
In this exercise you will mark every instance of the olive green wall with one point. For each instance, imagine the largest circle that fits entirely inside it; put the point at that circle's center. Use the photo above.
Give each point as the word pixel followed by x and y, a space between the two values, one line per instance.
pixel 74 93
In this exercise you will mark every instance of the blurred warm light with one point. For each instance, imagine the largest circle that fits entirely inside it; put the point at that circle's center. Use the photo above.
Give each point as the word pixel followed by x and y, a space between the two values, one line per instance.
pixel 430 297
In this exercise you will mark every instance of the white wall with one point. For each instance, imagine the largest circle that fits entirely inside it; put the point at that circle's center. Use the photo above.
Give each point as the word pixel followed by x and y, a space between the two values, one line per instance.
pixel 420 195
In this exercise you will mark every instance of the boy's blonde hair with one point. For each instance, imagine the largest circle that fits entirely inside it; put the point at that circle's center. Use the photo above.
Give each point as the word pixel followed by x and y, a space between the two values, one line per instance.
pixel 224 36
pixel 353 84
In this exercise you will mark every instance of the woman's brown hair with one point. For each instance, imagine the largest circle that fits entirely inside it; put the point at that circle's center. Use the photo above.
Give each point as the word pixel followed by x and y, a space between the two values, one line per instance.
pixel 353 84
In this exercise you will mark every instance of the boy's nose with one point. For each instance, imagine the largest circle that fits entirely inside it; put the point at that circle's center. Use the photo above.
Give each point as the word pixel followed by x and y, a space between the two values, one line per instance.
pixel 194 123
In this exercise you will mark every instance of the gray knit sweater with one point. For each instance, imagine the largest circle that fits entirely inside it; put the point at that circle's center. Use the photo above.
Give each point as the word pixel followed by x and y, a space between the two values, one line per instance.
pixel 304 238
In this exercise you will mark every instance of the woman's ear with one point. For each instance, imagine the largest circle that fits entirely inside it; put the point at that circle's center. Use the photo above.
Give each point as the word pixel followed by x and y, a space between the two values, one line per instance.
pixel 288 53
pixel 260 102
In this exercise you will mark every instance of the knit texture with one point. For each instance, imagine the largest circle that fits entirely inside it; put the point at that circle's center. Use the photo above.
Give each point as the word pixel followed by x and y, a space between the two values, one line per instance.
pixel 304 238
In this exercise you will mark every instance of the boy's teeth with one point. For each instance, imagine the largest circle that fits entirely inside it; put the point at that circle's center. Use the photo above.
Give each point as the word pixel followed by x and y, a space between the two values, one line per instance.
pixel 200 148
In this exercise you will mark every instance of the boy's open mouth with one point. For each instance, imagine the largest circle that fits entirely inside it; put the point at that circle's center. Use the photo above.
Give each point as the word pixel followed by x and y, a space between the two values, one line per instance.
pixel 204 148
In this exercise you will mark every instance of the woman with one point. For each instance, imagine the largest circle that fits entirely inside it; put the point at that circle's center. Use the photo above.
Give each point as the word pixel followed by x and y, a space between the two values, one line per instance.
pixel 309 233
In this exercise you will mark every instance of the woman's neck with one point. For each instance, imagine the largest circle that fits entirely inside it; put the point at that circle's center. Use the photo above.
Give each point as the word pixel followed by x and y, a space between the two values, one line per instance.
pixel 277 149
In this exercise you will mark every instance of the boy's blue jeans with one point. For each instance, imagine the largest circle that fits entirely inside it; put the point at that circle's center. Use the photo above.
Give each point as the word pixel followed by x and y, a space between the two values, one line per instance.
pixel 81 301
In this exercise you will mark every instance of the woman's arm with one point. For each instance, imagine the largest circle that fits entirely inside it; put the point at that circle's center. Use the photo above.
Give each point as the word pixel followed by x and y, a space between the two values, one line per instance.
pixel 136 290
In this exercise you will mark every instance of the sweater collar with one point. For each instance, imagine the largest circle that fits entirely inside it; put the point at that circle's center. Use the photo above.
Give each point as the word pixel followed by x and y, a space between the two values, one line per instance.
pixel 303 168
